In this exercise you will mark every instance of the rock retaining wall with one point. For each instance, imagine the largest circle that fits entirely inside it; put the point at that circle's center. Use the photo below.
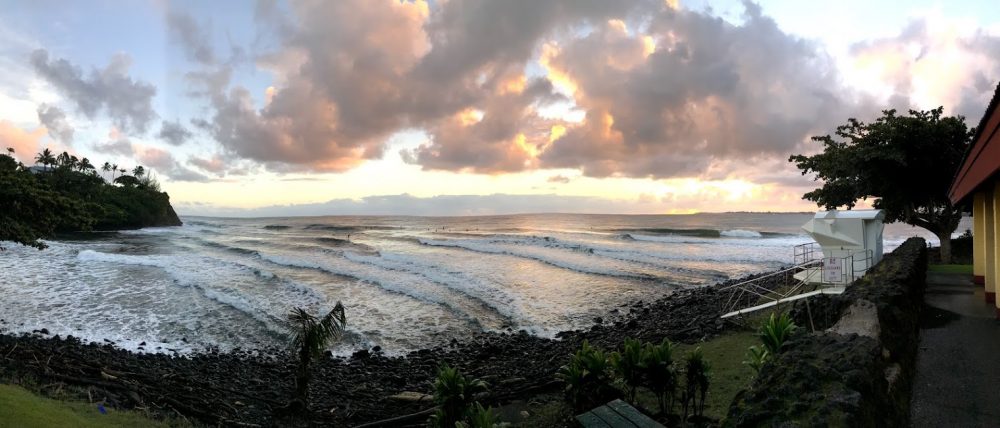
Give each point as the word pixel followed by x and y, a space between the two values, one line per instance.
pixel 857 368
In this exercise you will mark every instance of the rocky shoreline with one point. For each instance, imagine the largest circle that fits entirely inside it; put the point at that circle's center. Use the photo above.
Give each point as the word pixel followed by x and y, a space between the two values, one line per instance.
pixel 251 387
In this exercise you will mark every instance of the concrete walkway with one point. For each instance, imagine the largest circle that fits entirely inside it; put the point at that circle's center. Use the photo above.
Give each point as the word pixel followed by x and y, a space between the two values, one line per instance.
pixel 957 383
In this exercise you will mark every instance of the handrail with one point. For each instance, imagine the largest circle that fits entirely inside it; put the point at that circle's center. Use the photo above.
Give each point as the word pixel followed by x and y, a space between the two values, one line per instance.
pixel 799 266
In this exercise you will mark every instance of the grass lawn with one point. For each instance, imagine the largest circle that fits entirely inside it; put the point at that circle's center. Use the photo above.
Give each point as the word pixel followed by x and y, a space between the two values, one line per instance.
pixel 728 374
pixel 24 409
pixel 966 269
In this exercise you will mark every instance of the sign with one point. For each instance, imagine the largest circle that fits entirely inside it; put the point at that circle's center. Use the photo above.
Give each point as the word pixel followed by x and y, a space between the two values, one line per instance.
pixel 833 270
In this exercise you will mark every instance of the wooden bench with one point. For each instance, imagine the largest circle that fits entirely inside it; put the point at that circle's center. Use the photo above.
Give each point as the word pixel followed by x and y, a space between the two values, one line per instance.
pixel 616 414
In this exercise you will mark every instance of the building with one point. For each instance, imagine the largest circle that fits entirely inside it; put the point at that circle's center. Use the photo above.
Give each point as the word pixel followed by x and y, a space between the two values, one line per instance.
pixel 978 182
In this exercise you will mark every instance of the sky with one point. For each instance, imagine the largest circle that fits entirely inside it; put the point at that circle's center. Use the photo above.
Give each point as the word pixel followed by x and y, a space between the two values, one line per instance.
pixel 459 107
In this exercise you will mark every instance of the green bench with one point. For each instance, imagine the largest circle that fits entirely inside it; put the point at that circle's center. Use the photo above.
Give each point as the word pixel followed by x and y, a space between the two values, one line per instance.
pixel 616 414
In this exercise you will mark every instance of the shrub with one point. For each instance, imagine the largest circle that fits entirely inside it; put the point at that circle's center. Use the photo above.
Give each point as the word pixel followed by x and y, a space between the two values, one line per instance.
pixel 696 373
pixel 479 417
pixel 587 377
pixel 628 365
pixel 775 332
pixel 454 393
pixel 659 373
pixel 756 357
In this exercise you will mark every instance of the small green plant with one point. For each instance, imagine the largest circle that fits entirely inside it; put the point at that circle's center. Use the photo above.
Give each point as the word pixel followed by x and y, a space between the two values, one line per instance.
pixel 775 331
pixel 628 366
pixel 696 374
pixel 756 357
pixel 479 417
pixel 587 376
pixel 659 373
pixel 454 393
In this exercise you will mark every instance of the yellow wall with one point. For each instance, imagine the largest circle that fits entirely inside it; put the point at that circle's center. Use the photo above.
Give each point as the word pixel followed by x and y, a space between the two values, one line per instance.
pixel 990 247
pixel 979 233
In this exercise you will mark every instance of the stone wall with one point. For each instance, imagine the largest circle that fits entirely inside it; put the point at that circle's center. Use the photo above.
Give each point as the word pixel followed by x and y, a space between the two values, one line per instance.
pixel 857 368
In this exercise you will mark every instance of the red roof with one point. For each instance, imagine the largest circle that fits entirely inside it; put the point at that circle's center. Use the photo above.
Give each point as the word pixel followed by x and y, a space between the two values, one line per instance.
pixel 983 159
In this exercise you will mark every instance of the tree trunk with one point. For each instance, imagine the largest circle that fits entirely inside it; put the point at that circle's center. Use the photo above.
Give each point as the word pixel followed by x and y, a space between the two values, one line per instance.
pixel 945 238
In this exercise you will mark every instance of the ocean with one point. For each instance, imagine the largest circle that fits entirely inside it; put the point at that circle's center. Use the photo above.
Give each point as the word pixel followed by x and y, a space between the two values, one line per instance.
pixel 406 282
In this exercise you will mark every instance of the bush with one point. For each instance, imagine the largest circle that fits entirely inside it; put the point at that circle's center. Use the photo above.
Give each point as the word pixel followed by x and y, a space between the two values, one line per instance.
pixel 587 377
pixel 776 331
pixel 454 393
pixel 659 373
pixel 696 373
pixel 628 365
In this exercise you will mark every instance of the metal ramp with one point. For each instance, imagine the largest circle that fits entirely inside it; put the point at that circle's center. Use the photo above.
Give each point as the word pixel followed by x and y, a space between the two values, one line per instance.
pixel 811 275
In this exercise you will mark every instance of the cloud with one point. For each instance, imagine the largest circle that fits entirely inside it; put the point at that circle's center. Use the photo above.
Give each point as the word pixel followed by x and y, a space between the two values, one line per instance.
pixel 117 144
pixel 661 91
pixel 25 143
pixel 164 163
pixel 174 133
pixel 109 90
pixel 214 165
pixel 54 119
pixel 562 179
pixel 444 205
pixel 932 62
pixel 194 38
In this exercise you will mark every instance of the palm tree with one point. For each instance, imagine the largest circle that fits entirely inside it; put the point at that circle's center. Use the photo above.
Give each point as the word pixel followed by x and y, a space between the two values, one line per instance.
pixel 312 336
pixel 85 165
pixel 114 169
pixel 45 158
pixel 106 167
pixel 138 171
pixel 10 151
pixel 122 171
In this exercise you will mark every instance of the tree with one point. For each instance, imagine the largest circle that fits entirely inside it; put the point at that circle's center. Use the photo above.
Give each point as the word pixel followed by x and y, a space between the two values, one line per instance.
pixel 10 151
pixel 311 337
pixel 30 210
pixel 114 169
pixel 106 167
pixel 85 165
pixel 905 162
pixel 138 171
pixel 46 158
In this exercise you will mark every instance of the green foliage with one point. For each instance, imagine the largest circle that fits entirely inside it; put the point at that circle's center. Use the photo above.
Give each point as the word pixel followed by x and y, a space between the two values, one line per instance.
pixel 628 366
pixel 30 209
pixel 454 393
pixel 587 376
pixel 310 337
pixel 775 331
pixel 906 162
pixel 756 357
pixel 479 417
pixel 69 196
pixel 659 373
pixel 696 377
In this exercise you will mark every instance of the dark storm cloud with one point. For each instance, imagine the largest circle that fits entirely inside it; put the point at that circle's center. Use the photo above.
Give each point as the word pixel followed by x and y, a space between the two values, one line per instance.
pixel 54 120
pixel 109 90
pixel 174 133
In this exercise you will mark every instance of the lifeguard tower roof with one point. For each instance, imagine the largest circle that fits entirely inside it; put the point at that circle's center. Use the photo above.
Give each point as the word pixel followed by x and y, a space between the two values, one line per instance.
pixel 858 214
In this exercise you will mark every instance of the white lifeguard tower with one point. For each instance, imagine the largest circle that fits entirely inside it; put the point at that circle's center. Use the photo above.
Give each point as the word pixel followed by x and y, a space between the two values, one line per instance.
pixel 848 243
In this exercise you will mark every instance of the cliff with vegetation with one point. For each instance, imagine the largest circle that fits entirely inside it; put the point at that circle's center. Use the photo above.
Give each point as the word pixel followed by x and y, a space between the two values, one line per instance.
pixel 66 194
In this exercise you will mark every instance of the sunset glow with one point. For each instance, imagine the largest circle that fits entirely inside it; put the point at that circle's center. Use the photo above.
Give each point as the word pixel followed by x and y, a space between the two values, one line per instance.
pixel 632 104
